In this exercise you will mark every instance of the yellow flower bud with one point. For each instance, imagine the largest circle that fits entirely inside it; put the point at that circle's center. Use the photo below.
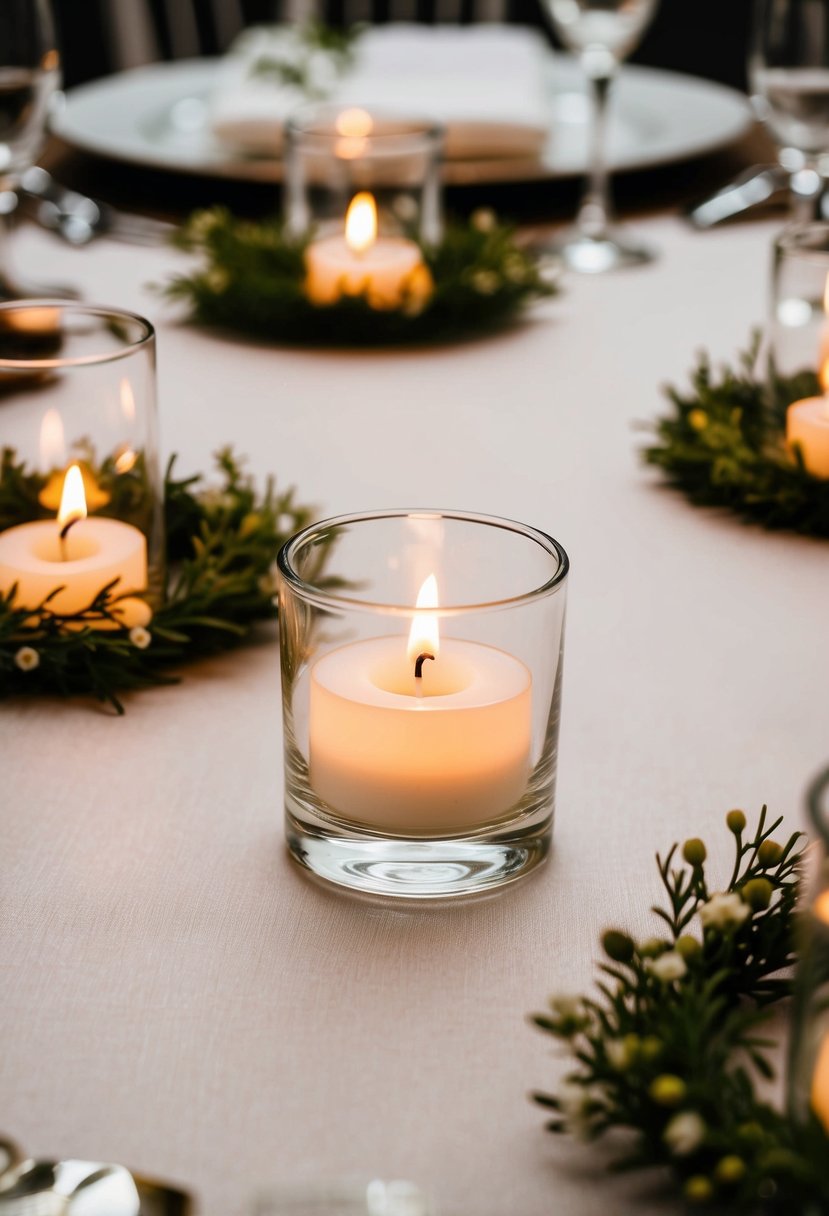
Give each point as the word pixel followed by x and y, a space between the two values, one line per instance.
pixel 668 1090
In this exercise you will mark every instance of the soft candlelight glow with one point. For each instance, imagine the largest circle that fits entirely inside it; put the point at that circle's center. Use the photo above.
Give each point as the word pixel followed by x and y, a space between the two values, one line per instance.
pixel 361 222
pixel 52 440
pixel 72 500
pixel 353 127
pixel 127 400
pixel 354 123
pixel 424 635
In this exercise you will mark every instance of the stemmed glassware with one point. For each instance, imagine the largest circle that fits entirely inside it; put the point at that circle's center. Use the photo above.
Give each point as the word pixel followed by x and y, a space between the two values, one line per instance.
pixel 789 71
pixel 602 33
pixel 29 75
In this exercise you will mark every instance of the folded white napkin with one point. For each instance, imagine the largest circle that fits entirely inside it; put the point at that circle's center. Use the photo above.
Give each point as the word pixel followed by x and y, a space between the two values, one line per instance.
pixel 486 84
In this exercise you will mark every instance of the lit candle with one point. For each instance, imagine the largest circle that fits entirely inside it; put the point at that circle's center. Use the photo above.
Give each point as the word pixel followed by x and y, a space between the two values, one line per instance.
pixel 429 737
pixel 78 555
pixel 807 421
pixel 383 269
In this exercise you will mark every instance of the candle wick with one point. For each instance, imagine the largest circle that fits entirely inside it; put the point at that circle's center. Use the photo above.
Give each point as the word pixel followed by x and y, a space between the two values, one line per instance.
pixel 64 532
pixel 419 661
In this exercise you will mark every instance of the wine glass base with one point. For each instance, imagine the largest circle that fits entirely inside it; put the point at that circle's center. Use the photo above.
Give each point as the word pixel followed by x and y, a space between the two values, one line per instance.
pixel 597 255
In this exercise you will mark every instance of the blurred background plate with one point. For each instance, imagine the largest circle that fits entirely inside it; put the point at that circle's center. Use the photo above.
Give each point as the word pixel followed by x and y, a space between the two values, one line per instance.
pixel 157 116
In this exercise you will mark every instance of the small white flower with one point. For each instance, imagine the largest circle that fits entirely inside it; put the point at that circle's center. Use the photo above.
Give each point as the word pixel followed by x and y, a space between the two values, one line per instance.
pixel 618 1053
pixel 405 208
pixel 486 282
pixel 684 1133
pixel 567 1006
pixel 27 658
pixel 575 1102
pixel 202 225
pixel 724 911
pixel 668 967
pixel 484 219
pixel 140 637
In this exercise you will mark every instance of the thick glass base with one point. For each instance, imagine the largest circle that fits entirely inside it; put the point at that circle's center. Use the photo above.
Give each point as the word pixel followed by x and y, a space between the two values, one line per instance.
pixel 598 254
pixel 417 869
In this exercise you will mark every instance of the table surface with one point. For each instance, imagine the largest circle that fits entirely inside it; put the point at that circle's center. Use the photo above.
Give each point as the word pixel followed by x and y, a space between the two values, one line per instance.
pixel 176 995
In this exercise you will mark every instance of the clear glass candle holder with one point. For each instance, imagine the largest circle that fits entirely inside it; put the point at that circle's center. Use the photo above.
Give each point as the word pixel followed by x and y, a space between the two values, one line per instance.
pixel 798 335
pixel 421 674
pixel 333 154
pixel 78 388
pixel 808 1075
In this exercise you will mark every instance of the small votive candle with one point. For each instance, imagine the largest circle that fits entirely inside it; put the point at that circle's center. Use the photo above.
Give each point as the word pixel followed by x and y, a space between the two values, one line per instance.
pixel 361 263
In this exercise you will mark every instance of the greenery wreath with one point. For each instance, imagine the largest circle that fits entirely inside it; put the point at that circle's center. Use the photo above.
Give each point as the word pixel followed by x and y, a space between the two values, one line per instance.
pixel 724 445
pixel 670 1048
pixel 221 546
pixel 252 280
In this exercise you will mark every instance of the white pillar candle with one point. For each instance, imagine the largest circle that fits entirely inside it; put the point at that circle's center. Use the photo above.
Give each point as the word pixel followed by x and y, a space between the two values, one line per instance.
pixel 807 425
pixel 444 752
pixel 95 552
pixel 360 263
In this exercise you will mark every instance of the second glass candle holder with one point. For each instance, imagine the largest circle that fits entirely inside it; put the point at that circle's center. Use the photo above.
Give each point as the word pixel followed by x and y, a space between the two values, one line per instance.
pixel 421 672
pixel 333 155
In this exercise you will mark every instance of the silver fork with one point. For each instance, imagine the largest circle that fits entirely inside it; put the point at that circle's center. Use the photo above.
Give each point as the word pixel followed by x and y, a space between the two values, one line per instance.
pixel 79 219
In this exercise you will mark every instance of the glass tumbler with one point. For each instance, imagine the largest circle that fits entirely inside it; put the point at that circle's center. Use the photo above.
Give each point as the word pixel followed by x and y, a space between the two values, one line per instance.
pixel 808 1075
pixel 78 388
pixel 421 674
pixel 798 334
pixel 335 154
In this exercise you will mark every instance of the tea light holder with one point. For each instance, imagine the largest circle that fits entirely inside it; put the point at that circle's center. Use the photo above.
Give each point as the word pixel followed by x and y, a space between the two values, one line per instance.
pixel 421 673
pixel 78 397
pixel 808 1073
pixel 798 324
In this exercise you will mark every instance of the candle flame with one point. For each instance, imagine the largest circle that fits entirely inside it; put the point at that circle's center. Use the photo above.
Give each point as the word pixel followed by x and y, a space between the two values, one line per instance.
pixel 424 635
pixel 72 500
pixel 52 440
pixel 361 222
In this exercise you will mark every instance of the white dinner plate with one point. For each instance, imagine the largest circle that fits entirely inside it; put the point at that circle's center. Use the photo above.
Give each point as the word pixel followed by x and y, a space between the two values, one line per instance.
pixel 157 116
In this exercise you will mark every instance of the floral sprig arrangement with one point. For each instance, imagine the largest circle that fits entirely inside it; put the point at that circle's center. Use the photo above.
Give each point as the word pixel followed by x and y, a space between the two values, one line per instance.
pixel 723 445
pixel 252 280
pixel 671 1047
pixel 221 546
pixel 309 57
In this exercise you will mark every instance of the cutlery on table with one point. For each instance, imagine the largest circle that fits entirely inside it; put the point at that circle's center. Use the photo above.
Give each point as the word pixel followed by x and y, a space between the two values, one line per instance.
pixel 756 185
pixel 79 219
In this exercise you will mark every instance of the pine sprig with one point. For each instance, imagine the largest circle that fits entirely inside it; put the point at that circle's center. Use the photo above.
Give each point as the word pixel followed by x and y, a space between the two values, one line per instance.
pixel 221 546
pixel 670 1049
pixel 252 280
pixel 723 445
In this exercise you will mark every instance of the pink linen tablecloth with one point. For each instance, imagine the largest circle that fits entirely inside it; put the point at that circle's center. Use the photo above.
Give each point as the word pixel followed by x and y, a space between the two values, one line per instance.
pixel 174 994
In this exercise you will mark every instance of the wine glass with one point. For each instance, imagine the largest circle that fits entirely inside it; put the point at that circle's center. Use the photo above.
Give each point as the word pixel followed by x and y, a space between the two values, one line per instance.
pixel 789 73
pixel 29 76
pixel 601 33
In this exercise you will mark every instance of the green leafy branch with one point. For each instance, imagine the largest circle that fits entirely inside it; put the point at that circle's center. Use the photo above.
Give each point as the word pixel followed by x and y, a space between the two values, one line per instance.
pixel 221 547
pixel 252 280
pixel 723 445
pixel 670 1049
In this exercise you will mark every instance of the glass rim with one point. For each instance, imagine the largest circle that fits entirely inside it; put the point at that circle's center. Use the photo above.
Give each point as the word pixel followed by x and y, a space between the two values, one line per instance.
pixel 78 307
pixel 411 135
pixel 312 594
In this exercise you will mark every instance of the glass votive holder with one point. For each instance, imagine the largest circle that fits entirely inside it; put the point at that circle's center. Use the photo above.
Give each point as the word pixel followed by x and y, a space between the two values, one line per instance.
pixel 81 493
pixel 333 155
pixel 808 1074
pixel 421 674
pixel 798 334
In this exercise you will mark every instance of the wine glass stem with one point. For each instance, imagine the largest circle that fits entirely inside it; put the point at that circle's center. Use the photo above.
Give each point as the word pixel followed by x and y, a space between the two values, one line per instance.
pixel 595 212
